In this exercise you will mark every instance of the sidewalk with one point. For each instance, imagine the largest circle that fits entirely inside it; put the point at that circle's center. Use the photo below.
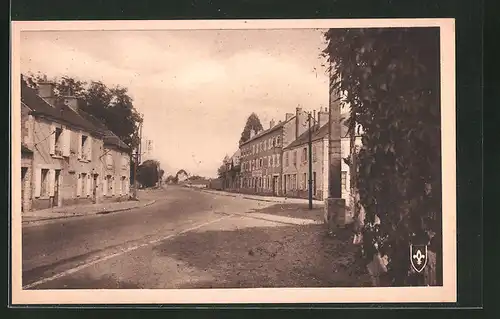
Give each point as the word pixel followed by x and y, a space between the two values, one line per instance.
pixel 145 199
pixel 275 199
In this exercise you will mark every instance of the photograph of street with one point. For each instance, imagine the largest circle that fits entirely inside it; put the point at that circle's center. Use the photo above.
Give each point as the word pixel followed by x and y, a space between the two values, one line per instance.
pixel 231 158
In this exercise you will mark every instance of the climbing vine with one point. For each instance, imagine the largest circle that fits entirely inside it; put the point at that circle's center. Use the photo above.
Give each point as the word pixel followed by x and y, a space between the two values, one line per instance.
pixel 391 79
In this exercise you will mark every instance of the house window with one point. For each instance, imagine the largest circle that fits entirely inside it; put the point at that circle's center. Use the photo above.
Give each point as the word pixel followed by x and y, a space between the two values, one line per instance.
pixel 124 162
pixel 344 180
pixel 286 159
pixel 305 180
pixel 124 185
pixel 109 160
pixel 278 141
pixel 265 145
pixel 260 162
pixel 83 184
pixel 295 158
pixel 58 146
pixel 304 154
pixel 44 180
pixel 277 160
pixel 272 161
pixel 314 153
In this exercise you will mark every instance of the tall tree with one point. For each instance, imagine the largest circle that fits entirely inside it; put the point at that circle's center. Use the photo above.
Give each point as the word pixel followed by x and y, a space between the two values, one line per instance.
pixel 253 123
pixel 391 79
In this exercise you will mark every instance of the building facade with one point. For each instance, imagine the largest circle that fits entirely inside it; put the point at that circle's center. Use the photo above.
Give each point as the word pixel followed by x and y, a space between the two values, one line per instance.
pixel 262 155
pixel 66 163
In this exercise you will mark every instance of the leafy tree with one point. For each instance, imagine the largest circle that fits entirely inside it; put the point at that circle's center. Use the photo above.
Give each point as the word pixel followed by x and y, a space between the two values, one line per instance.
pixel 147 173
pixel 113 106
pixel 391 79
pixel 253 122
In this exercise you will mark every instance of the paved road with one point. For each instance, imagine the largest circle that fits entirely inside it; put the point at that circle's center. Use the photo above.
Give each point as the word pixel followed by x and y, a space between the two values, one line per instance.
pixel 63 250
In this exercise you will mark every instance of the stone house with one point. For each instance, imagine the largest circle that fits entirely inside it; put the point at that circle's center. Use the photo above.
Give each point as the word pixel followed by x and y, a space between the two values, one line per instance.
pixel 115 161
pixel 66 150
pixel 296 161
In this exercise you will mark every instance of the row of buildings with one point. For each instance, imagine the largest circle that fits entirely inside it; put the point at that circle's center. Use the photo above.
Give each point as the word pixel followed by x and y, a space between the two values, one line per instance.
pixel 67 155
pixel 275 161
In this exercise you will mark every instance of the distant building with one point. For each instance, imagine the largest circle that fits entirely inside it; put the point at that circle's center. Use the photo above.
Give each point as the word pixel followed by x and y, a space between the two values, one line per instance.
pixel 261 155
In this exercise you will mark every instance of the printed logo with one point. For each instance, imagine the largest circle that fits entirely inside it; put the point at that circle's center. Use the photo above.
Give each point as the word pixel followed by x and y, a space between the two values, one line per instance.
pixel 418 257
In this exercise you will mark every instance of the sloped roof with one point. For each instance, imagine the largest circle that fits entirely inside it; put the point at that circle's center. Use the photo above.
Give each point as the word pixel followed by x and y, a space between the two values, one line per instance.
pixel 64 113
pixel 109 137
pixel 317 134
pixel 60 111
pixel 269 130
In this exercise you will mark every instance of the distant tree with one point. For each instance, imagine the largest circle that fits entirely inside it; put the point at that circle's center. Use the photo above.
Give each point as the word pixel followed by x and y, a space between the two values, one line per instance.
pixel 253 122
pixel 147 173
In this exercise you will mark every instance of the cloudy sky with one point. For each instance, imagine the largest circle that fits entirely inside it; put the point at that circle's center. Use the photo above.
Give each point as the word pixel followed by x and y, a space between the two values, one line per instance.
pixel 195 88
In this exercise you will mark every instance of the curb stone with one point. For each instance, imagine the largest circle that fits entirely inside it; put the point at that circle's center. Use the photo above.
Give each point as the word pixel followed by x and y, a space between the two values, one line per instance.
pixel 92 214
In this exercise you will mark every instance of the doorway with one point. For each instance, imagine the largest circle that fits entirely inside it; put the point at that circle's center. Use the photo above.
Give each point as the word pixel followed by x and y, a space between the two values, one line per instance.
pixel 275 185
pixel 56 187
pixel 94 189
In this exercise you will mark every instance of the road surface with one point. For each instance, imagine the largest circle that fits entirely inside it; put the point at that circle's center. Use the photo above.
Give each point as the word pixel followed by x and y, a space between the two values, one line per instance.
pixel 187 239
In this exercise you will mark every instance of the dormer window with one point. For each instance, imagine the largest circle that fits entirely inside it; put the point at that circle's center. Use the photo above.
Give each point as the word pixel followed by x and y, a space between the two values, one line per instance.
pixel 85 147
pixel 59 141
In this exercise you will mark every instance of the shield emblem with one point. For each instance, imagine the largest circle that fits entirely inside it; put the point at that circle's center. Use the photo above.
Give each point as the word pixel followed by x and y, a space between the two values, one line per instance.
pixel 418 257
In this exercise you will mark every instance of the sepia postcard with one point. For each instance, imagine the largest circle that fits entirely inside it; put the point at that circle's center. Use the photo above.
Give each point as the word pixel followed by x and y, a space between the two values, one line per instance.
pixel 235 161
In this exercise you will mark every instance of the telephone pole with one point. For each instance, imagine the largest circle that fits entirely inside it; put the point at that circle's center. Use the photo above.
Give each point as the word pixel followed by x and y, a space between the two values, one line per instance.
pixel 137 158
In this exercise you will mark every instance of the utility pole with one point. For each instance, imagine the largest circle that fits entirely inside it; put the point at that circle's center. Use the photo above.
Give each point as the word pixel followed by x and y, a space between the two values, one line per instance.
pixel 310 164
pixel 137 158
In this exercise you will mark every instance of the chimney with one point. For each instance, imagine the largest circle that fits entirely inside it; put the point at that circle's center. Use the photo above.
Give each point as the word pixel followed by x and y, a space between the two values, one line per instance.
pixel 271 124
pixel 71 102
pixel 323 117
pixel 300 122
pixel 46 91
pixel 288 116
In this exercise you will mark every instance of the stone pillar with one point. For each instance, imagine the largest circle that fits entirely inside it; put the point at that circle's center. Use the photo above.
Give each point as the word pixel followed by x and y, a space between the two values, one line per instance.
pixel 335 212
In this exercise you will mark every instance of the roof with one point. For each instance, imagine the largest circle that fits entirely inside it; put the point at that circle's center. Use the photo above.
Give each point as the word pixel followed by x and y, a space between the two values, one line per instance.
pixel 317 134
pixel 25 149
pixel 269 130
pixel 58 112
pixel 64 113
pixel 109 137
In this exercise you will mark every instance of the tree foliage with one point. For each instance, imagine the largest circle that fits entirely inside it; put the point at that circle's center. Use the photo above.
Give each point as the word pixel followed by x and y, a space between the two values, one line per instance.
pixel 390 78
pixel 253 123
pixel 113 106
pixel 148 173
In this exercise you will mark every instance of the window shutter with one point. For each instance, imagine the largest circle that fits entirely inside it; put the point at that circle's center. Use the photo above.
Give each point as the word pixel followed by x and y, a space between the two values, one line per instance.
pixel 52 179
pixel 89 148
pixel 52 139
pixel 105 185
pixel 113 187
pixel 79 185
pixel 120 186
pixel 66 142
pixel 38 182
pixel 79 139
pixel 87 186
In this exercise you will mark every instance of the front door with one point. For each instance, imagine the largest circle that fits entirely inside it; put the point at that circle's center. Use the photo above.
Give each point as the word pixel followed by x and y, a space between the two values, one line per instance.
pixel 94 189
pixel 275 185
pixel 24 170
